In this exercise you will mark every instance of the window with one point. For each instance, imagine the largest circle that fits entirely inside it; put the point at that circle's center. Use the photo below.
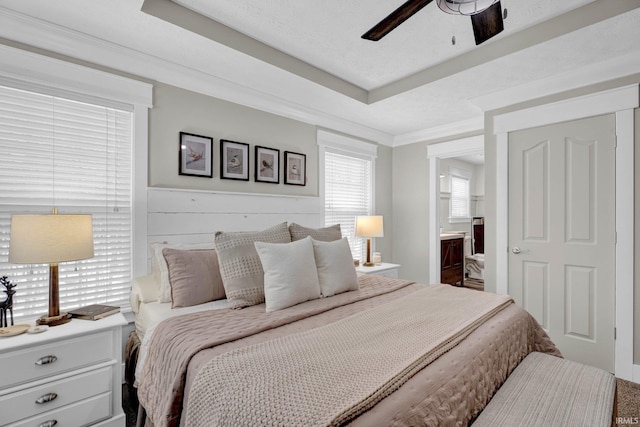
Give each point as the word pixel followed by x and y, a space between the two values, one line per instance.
pixel 460 195
pixel 78 156
pixel 348 185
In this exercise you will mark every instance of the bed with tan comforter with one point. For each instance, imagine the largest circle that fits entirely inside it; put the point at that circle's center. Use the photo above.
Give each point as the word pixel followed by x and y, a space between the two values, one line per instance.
pixel 393 353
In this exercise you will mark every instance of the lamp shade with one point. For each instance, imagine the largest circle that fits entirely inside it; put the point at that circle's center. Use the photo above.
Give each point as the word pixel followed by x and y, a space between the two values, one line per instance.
pixel 369 226
pixel 48 239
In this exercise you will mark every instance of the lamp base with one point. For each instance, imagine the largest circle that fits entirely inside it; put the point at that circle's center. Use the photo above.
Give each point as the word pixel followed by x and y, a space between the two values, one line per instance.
pixel 54 320
pixel 368 264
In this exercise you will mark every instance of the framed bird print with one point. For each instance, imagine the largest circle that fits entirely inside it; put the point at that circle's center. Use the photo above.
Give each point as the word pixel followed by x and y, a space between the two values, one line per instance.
pixel 295 168
pixel 234 160
pixel 267 165
pixel 196 155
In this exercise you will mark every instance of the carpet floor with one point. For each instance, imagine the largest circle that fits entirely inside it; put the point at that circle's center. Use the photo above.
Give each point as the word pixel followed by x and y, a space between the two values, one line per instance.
pixel 628 402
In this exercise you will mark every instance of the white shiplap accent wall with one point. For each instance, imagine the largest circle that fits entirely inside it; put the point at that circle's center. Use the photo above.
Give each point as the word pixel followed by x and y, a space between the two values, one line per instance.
pixel 191 216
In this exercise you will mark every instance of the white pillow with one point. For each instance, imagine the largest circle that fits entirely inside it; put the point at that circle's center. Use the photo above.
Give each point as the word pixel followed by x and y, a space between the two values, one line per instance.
pixel 289 273
pixel 336 272
pixel 159 267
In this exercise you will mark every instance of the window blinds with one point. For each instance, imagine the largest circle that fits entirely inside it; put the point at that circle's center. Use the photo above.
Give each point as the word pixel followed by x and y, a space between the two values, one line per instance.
pixel 75 156
pixel 459 197
pixel 348 193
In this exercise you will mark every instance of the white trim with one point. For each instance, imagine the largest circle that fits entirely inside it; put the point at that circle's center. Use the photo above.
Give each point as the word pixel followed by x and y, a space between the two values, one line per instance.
pixel 435 152
pixel 636 374
pixel 457 147
pixel 140 160
pixel 345 143
pixel 596 104
pixel 55 38
pixel 502 211
pixel 475 124
pixel 624 241
pixel 23 66
pixel 620 101
pixel 603 71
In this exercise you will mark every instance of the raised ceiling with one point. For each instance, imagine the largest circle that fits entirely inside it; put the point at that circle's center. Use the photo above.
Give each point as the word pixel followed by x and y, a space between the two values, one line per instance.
pixel 305 59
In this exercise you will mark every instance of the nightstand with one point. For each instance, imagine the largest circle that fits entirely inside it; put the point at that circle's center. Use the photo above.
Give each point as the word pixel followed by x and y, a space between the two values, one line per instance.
pixel 68 375
pixel 384 269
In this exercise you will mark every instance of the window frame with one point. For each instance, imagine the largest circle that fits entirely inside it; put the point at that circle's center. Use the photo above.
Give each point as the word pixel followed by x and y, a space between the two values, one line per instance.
pixel 39 73
pixel 346 146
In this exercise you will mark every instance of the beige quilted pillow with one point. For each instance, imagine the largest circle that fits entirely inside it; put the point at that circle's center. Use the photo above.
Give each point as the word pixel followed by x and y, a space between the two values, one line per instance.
pixel 240 266
pixel 326 234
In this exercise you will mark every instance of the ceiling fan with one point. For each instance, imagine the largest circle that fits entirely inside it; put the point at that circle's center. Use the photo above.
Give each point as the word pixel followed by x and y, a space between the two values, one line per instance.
pixel 486 17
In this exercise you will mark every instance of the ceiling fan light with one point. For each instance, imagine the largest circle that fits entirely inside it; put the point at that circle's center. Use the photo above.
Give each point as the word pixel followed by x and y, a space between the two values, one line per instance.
pixel 464 7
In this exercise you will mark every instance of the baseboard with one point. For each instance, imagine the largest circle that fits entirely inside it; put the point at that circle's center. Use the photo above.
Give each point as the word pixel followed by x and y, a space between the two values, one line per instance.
pixel 636 374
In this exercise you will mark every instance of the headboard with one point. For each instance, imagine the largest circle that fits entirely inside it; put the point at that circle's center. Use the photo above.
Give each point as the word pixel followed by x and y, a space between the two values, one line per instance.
pixel 191 216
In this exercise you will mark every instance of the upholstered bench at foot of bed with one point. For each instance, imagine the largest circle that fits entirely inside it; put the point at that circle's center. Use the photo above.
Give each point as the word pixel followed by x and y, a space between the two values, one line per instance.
pixel 546 391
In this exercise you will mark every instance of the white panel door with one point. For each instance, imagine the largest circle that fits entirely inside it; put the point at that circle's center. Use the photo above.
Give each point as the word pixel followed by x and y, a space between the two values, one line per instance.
pixel 562 234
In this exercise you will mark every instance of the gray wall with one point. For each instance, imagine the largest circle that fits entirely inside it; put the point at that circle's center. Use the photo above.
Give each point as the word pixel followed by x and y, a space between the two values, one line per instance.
pixel 177 110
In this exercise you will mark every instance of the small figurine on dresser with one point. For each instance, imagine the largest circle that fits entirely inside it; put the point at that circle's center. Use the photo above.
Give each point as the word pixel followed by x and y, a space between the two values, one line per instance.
pixel 6 306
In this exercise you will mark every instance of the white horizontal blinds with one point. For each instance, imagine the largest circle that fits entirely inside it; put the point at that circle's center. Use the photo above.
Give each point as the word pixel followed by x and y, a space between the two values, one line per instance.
pixel 77 156
pixel 459 197
pixel 348 193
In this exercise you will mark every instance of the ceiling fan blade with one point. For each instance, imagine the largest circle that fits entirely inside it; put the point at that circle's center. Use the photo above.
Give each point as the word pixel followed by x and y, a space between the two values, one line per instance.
pixel 394 19
pixel 487 23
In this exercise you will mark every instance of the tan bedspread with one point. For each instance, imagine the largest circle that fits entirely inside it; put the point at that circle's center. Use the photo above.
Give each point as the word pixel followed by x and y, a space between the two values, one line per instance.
pixel 450 391
pixel 329 375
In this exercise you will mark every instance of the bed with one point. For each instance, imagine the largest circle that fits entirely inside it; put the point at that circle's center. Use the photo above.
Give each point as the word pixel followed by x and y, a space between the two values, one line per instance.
pixel 387 352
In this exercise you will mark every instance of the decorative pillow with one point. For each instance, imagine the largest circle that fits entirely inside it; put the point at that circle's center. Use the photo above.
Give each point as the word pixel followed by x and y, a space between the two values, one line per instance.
pixel 159 264
pixel 194 276
pixel 289 273
pixel 240 266
pixel 326 234
pixel 336 272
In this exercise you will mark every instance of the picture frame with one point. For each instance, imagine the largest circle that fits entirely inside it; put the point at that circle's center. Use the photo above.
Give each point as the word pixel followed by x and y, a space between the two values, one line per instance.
pixel 267 165
pixel 295 168
pixel 195 155
pixel 234 160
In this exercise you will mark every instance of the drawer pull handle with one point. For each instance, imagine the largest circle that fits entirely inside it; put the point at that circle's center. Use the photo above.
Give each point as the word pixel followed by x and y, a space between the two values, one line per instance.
pixel 46 398
pixel 49 423
pixel 46 360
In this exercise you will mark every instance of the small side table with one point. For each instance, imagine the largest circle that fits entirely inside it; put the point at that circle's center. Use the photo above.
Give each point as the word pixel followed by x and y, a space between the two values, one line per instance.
pixel 385 269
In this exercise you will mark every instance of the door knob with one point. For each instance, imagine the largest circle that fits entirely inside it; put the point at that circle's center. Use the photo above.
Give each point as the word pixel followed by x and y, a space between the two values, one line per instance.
pixel 515 250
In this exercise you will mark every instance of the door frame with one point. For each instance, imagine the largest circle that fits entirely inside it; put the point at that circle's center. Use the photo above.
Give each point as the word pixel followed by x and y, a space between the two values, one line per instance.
pixel 435 152
pixel 621 102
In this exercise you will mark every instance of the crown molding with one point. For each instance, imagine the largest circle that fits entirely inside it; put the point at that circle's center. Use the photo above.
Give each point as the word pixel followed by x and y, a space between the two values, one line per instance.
pixel 611 69
pixel 54 38
pixel 475 124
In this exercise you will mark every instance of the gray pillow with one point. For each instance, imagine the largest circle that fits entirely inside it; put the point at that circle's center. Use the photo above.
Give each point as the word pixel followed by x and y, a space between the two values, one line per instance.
pixel 194 276
pixel 326 234
pixel 240 266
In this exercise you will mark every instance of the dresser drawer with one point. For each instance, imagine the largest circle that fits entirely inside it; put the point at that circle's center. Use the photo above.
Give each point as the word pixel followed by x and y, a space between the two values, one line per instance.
pixel 23 404
pixel 23 366
pixel 83 413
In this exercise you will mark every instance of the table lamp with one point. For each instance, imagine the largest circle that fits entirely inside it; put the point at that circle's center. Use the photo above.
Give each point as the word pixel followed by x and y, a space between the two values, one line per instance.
pixel 50 239
pixel 369 227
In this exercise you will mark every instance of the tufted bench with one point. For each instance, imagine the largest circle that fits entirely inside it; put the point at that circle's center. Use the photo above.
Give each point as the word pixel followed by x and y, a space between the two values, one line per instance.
pixel 546 391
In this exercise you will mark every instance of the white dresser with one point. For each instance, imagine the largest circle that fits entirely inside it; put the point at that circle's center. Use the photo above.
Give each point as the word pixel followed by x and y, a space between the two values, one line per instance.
pixel 70 375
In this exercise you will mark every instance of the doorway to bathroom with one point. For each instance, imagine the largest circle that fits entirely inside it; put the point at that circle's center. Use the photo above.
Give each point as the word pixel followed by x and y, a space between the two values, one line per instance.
pixel 456 212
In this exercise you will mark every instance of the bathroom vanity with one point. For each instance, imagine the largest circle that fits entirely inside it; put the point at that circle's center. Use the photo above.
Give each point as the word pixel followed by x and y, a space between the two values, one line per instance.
pixel 452 259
